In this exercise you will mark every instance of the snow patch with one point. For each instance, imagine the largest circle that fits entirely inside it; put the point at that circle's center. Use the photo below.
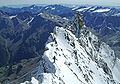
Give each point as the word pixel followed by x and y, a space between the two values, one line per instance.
pixel 82 9
pixel 52 8
pixel 12 16
pixel 30 21
pixel 101 10
pixel 65 18
pixel 75 8
pixel 46 7
pixel 39 14
pixel 34 81
pixel 93 8
pixel 31 8
pixel 118 14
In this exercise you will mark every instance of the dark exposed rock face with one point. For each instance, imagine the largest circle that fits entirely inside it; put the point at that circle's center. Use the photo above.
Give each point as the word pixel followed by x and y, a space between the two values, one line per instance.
pixel 22 37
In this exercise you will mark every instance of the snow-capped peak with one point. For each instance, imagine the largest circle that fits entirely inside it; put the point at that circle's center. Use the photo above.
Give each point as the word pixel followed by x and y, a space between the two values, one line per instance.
pixel 77 59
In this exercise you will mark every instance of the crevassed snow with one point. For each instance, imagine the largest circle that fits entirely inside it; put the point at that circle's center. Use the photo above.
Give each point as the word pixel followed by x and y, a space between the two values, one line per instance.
pixel 101 10
pixel 82 9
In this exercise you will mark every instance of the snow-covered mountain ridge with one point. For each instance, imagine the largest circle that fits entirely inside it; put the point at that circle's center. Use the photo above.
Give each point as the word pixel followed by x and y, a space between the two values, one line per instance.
pixel 76 56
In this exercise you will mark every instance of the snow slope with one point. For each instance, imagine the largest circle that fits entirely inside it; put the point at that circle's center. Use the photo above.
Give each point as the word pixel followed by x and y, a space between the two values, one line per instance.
pixel 82 9
pixel 82 59
pixel 102 10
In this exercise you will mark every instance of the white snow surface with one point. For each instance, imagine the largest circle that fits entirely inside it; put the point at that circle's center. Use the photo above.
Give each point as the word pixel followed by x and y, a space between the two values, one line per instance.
pixel 82 9
pixel 13 16
pixel 30 20
pixel 46 7
pixel 39 14
pixel 31 8
pixel 102 10
pixel 118 14
pixel 75 8
pixel 93 8
pixel 83 60
pixel 52 8
pixel 65 18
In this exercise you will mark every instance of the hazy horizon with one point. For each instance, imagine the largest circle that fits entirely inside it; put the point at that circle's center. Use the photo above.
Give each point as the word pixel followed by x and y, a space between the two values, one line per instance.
pixel 48 2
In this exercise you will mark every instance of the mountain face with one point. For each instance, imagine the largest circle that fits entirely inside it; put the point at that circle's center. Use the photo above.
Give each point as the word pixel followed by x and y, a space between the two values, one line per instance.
pixel 76 56
pixel 24 32
pixel 104 21
pixel 23 37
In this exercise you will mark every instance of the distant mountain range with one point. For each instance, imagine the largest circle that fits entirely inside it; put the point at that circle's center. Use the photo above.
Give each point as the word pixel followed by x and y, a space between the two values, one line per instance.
pixel 25 31
pixel 105 21
pixel 53 9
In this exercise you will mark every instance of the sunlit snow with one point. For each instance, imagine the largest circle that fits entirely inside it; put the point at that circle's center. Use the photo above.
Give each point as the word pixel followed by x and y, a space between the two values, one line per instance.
pixel 102 10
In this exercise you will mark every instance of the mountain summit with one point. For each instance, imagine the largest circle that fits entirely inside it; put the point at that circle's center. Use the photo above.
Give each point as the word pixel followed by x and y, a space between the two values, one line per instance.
pixel 76 56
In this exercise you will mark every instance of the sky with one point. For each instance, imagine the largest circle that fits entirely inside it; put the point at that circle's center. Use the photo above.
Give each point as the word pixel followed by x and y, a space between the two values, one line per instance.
pixel 78 2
